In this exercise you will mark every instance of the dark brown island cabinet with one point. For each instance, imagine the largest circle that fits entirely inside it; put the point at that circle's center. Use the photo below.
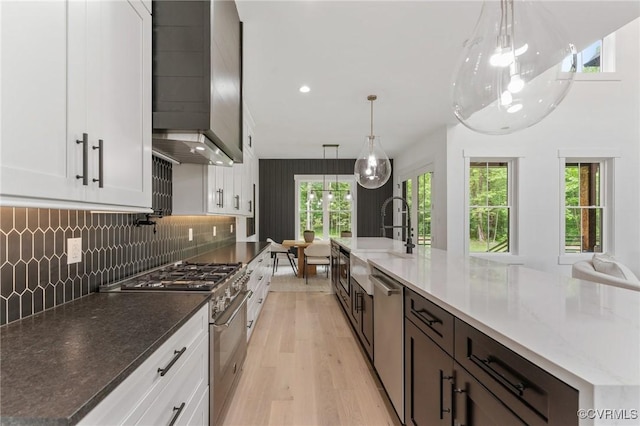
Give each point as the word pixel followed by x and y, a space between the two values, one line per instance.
pixel 455 374
pixel 361 316
pixel 355 301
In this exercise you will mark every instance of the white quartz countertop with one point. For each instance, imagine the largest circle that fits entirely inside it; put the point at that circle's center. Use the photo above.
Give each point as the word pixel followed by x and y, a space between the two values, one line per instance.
pixel 584 333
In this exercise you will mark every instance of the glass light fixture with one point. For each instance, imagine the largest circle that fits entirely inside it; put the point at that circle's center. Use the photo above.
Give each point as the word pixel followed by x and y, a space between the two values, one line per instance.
pixel 509 74
pixel 372 168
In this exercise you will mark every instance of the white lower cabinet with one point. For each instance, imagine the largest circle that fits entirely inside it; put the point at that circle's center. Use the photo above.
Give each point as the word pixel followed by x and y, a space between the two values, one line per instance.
pixel 260 269
pixel 177 373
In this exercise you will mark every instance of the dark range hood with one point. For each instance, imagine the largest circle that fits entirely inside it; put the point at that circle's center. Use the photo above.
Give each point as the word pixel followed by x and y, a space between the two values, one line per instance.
pixel 197 82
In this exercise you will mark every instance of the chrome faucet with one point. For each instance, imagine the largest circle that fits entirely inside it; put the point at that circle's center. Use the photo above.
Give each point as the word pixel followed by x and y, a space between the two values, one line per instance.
pixel 409 243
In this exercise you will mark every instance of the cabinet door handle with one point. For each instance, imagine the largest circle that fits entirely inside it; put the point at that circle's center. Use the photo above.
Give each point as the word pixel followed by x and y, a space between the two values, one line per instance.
pixel 237 206
pixel 250 324
pixel 220 202
pixel 176 355
pixel 502 373
pixel 426 316
pixel 460 410
pixel 260 300
pixel 250 206
pixel 85 159
pixel 443 389
pixel 100 149
pixel 359 300
pixel 176 414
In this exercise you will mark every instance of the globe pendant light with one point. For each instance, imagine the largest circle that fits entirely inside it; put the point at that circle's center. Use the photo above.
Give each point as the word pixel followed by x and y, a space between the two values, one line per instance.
pixel 372 168
pixel 509 75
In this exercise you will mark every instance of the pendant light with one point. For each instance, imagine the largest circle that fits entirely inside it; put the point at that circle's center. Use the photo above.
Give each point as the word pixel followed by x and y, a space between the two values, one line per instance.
pixel 324 182
pixel 509 75
pixel 372 168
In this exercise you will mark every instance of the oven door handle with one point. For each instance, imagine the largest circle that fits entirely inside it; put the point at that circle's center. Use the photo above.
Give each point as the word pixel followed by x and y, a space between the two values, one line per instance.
pixel 236 311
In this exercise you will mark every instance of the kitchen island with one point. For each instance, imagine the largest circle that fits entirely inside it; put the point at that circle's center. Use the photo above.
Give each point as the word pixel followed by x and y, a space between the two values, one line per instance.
pixel 585 334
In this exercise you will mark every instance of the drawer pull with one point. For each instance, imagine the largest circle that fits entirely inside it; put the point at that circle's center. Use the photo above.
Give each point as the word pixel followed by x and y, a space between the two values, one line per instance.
pixel 426 317
pixel 502 373
pixel 176 355
pixel 176 414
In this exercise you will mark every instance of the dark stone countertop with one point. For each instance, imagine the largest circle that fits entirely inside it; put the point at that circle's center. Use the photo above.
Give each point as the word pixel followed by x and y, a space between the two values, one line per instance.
pixel 233 253
pixel 57 365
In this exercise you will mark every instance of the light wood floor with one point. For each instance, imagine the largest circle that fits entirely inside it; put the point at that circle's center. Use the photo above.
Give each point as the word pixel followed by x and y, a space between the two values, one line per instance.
pixel 304 367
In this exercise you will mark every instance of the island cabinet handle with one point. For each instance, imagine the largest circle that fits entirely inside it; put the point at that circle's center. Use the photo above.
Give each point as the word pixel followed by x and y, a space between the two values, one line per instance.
pixel 444 388
pixel 359 300
pixel 176 355
pixel 176 414
pixel 501 372
pixel 460 409
pixel 426 316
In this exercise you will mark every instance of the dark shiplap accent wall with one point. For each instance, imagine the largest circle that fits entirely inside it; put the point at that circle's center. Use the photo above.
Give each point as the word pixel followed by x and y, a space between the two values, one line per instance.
pixel 34 274
pixel 277 196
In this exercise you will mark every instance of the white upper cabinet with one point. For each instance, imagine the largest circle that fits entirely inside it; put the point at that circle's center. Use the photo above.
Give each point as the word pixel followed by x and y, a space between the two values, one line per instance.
pixel 120 101
pixel 71 69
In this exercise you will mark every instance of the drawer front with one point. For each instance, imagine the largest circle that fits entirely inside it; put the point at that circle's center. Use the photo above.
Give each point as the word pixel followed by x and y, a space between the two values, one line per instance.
pixel 145 383
pixel 533 394
pixel 475 405
pixel 434 321
pixel 199 415
pixel 186 387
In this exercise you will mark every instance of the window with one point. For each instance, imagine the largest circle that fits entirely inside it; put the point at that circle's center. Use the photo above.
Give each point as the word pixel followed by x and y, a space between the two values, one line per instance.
pixel 407 194
pixel 324 206
pixel 418 188
pixel 424 210
pixel 598 57
pixel 490 209
pixel 583 207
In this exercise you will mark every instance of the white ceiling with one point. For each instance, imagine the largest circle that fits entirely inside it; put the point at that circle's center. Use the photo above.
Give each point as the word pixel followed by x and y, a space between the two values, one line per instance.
pixel 402 51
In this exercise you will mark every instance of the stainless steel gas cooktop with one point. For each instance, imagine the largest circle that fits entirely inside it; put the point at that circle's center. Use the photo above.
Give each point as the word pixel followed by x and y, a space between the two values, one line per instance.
pixel 184 277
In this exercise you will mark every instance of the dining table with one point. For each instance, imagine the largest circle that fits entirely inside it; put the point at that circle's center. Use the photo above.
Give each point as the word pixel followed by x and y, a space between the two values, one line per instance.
pixel 301 245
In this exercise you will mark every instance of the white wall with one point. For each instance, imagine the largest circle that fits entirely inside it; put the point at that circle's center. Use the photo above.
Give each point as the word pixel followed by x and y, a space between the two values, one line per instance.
pixel 595 115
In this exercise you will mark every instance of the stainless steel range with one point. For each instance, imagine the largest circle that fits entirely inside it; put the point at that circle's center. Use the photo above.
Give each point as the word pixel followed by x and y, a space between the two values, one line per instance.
pixel 227 319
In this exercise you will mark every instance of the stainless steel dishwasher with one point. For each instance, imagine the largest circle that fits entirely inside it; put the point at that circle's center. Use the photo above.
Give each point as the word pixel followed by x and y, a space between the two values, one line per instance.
pixel 388 340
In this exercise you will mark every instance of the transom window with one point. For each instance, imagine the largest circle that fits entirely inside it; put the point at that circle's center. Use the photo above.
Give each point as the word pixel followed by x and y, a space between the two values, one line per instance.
pixel 584 207
pixel 490 209
pixel 325 206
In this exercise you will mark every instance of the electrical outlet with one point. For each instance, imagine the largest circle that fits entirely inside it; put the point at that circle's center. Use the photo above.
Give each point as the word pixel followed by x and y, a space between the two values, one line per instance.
pixel 232 228
pixel 190 234
pixel 74 250
pixel 215 231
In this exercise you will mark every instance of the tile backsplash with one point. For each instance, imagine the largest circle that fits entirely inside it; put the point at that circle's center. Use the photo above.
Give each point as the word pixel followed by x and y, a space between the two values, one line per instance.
pixel 34 274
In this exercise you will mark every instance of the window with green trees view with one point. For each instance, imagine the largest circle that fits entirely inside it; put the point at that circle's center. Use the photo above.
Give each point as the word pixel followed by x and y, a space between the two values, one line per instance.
pixel 324 207
pixel 489 207
pixel 422 229
pixel 584 207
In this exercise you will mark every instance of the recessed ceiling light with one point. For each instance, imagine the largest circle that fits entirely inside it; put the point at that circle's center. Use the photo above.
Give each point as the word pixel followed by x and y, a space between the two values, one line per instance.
pixel 305 89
